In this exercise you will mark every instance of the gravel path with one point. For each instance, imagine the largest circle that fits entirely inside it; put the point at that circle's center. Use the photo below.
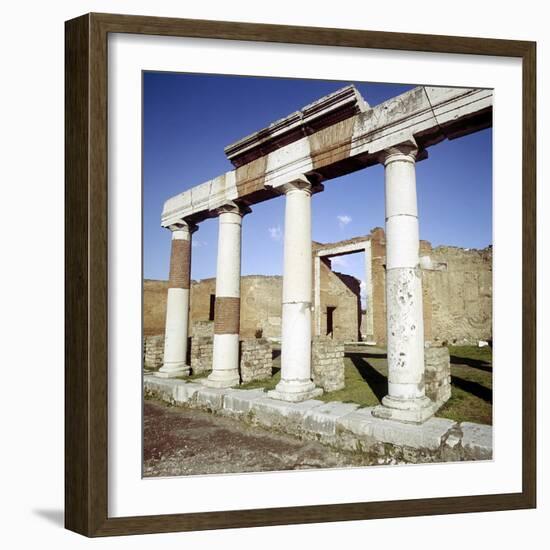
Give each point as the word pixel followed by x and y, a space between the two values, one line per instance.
pixel 184 442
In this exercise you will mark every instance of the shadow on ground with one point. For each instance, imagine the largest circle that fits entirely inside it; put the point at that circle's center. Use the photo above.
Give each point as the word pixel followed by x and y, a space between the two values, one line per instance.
pixel 377 382
pixel 57 517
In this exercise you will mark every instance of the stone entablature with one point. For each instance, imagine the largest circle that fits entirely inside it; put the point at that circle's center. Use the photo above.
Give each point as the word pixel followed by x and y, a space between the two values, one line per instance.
pixel 426 115
pixel 328 110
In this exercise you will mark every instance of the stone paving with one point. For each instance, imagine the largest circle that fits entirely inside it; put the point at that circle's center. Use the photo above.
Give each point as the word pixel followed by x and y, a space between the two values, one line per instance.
pixel 342 426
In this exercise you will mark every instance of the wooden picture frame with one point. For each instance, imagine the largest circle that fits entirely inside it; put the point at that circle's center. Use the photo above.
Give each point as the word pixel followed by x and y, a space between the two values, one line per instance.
pixel 86 283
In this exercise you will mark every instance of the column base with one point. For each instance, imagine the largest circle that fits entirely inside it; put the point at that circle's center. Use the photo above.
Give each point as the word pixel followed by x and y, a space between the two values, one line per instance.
pixel 222 379
pixel 412 411
pixel 173 371
pixel 295 391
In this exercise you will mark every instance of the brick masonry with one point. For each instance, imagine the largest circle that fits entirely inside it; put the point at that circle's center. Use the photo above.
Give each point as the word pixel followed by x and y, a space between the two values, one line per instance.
pixel 226 319
pixel 256 360
pixel 327 363
pixel 180 258
pixel 438 374
pixel 153 352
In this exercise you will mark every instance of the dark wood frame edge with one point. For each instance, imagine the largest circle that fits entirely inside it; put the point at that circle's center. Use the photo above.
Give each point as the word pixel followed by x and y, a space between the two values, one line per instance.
pixel 86 271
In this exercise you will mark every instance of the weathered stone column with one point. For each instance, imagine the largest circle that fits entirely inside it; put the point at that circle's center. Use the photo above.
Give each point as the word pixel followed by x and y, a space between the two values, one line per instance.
pixel 225 363
pixel 406 399
pixel 296 384
pixel 177 303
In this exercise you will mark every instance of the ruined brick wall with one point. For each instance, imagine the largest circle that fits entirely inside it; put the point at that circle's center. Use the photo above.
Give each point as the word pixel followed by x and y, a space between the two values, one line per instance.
pixel 260 305
pixel 327 363
pixel 256 359
pixel 461 290
pixel 456 292
pixel 378 274
pixel 341 292
pixel 153 351
pixel 457 298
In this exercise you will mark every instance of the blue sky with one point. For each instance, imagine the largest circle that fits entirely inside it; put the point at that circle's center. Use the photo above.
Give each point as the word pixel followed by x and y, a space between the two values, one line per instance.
pixel 189 119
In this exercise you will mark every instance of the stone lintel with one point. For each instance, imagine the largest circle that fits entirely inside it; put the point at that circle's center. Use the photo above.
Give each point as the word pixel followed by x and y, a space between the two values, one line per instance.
pixel 350 246
pixel 328 110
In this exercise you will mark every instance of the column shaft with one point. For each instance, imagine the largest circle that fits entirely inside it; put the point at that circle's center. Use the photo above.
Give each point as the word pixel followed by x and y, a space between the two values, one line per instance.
pixel 225 363
pixel 406 399
pixel 177 305
pixel 296 384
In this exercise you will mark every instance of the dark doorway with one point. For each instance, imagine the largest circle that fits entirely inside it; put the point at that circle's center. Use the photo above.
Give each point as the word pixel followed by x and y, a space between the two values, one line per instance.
pixel 212 307
pixel 330 320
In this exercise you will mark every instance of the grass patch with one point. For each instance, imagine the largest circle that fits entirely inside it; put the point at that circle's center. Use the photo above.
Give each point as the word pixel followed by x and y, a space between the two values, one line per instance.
pixel 366 378
pixel 471 385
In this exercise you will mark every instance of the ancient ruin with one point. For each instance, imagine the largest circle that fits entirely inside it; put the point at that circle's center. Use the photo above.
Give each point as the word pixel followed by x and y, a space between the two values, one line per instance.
pixel 456 284
pixel 405 279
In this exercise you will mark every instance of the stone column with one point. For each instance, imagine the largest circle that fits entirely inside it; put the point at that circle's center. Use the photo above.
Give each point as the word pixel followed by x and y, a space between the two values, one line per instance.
pixel 177 303
pixel 225 363
pixel 406 399
pixel 296 384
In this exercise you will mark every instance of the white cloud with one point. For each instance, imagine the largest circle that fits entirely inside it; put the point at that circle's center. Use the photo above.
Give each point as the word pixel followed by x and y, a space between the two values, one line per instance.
pixel 198 244
pixel 343 220
pixel 275 232
pixel 339 261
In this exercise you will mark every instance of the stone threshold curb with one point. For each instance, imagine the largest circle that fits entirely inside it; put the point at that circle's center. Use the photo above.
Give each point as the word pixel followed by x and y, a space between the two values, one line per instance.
pixel 344 426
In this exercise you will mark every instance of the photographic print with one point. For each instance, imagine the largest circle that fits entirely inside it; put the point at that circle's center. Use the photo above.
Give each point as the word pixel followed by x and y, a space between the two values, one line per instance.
pixel 317 274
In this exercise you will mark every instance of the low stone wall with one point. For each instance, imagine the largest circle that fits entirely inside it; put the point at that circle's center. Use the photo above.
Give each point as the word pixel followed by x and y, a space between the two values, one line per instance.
pixel 340 425
pixel 202 328
pixel 153 352
pixel 327 363
pixel 438 374
pixel 256 359
pixel 201 354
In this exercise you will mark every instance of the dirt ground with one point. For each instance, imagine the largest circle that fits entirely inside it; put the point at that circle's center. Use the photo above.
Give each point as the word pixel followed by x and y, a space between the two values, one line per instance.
pixel 181 441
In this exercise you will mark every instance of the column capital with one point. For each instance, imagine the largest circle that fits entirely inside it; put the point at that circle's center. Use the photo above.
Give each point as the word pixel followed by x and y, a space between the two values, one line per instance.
pixel 233 208
pixel 408 151
pixel 182 225
pixel 300 183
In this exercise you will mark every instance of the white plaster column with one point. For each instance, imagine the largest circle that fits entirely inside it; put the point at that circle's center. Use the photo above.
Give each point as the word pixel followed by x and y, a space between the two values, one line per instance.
pixel 177 303
pixel 296 384
pixel 225 362
pixel 406 399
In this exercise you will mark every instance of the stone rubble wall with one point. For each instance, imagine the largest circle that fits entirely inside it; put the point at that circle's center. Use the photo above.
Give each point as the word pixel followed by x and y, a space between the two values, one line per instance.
pixel 203 328
pixel 256 360
pixel 437 374
pixel 153 352
pixel 201 354
pixel 461 289
pixel 327 363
